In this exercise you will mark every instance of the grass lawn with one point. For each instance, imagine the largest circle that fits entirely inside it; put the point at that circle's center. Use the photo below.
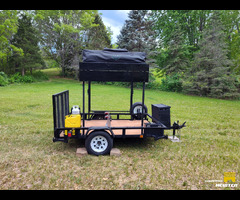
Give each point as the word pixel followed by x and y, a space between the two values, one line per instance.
pixel 30 160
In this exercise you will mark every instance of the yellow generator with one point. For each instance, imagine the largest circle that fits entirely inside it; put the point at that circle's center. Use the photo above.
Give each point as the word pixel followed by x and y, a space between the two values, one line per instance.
pixel 73 121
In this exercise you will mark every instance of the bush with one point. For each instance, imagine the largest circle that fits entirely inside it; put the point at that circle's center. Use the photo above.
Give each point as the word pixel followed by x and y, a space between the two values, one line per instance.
pixel 3 79
pixel 27 79
pixel 17 78
pixel 40 76
pixel 171 83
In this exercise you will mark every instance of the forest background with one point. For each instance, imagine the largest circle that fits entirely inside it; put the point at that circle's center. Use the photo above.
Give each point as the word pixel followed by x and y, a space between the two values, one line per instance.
pixel 191 51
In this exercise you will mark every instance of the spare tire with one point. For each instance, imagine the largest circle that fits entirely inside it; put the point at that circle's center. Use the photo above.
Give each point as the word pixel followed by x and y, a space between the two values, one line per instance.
pixel 136 110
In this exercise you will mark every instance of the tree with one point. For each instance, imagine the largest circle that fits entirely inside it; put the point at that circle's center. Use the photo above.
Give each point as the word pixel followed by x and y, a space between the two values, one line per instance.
pixel 210 74
pixel 99 36
pixel 27 39
pixel 190 22
pixel 62 33
pixel 137 33
pixel 231 20
pixel 175 58
pixel 8 26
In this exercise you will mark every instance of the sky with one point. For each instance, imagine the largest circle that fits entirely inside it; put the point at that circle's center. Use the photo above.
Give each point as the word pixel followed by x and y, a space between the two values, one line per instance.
pixel 115 19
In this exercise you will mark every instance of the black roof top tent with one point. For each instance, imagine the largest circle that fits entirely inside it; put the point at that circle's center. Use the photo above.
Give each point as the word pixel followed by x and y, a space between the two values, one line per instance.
pixel 113 65
pixel 117 65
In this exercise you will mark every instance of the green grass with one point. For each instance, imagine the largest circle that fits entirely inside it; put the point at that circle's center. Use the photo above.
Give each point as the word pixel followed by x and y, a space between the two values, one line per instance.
pixel 30 160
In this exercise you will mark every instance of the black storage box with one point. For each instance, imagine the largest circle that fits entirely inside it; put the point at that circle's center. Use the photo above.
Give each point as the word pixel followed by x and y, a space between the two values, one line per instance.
pixel 161 113
pixel 150 132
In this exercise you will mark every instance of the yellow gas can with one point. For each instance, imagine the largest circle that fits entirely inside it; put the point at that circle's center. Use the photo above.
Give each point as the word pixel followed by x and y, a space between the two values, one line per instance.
pixel 73 121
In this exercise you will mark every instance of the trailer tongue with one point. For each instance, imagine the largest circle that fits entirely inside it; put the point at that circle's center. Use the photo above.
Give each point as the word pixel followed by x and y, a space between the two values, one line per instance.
pixel 99 128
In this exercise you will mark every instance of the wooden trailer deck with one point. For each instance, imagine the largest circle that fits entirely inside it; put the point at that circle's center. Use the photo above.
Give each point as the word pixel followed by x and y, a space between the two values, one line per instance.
pixel 118 123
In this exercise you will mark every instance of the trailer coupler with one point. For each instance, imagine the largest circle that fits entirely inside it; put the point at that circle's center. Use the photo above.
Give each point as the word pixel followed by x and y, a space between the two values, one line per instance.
pixel 177 127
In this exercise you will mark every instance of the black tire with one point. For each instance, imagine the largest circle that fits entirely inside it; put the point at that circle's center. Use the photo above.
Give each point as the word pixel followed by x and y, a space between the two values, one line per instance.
pixel 99 143
pixel 134 107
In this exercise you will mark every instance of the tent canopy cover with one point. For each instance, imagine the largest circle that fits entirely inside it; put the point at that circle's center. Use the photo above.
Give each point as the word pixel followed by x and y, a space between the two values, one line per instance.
pixel 113 56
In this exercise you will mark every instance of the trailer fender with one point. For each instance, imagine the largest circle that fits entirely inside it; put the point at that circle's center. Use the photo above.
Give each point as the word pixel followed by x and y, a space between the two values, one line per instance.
pixel 106 129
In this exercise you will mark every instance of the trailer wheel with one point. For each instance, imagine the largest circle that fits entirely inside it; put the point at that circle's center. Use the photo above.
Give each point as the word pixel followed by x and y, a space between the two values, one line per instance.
pixel 99 143
pixel 137 107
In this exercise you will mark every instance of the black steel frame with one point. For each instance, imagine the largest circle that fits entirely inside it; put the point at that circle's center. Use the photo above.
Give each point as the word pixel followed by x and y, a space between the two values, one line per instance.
pixel 118 113
pixel 59 116
pixel 109 72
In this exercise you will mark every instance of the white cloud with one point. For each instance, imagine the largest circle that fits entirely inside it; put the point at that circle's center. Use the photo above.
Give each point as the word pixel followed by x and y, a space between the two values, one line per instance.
pixel 115 27
pixel 123 13
pixel 115 21
pixel 111 21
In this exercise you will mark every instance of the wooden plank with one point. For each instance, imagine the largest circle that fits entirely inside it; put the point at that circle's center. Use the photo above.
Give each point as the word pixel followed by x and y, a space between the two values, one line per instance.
pixel 114 123
pixel 118 123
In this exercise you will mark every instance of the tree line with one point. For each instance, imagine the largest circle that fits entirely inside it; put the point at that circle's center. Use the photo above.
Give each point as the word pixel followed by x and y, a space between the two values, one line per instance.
pixel 31 38
pixel 193 51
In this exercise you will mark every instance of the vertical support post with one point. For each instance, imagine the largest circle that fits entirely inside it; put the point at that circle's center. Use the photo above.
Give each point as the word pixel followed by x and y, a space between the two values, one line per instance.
pixel 131 98
pixel 143 95
pixel 83 105
pixel 89 97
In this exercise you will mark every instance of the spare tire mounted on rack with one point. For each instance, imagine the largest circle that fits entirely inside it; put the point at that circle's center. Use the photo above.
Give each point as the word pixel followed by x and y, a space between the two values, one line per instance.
pixel 136 110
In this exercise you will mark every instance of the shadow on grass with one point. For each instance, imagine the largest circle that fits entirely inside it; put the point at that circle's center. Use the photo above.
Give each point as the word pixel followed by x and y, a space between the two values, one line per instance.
pixel 132 142
pixel 126 143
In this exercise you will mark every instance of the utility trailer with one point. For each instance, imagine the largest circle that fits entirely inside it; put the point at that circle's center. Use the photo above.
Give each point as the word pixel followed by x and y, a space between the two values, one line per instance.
pixel 100 127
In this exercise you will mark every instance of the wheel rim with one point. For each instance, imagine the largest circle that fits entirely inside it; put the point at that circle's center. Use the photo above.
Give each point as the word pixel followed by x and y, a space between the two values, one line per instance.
pixel 99 143
pixel 136 109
